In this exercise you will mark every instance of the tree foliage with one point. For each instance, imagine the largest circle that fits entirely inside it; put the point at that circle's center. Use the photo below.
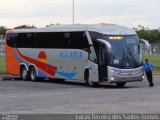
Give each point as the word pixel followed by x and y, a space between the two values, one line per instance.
pixel 153 36
pixel 24 27
pixel 3 30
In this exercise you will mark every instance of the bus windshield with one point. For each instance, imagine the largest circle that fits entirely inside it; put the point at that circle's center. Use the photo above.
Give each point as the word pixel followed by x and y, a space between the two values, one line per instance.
pixel 125 51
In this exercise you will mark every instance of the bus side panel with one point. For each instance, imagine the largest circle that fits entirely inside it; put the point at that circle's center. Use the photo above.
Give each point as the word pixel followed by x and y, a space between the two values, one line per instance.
pixel 77 63
pixel 12 64
pixel 67 62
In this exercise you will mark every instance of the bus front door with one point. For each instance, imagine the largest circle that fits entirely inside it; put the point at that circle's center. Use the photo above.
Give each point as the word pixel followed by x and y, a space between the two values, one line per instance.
pixel 102 63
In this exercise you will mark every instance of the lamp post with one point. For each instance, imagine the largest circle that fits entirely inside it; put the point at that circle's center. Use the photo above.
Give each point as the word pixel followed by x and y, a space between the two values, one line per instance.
pixel 73 13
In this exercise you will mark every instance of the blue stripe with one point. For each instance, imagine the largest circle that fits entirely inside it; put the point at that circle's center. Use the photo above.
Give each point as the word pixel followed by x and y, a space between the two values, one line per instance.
pixel 65 74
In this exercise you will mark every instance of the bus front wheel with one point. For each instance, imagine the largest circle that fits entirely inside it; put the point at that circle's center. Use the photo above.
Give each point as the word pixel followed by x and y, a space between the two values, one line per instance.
pixel 88 82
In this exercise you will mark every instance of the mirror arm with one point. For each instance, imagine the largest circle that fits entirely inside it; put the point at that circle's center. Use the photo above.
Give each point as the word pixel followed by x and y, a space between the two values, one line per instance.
pixel 107 44
pixel 148 46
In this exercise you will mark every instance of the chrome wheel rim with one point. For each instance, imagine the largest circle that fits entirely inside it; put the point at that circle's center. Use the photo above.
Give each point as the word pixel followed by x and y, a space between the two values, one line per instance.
pixel 33 75
pixel 24 74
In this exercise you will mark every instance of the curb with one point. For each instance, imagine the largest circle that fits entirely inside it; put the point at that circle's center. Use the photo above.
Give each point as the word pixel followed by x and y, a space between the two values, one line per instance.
pixel 7 79
pixel 156 74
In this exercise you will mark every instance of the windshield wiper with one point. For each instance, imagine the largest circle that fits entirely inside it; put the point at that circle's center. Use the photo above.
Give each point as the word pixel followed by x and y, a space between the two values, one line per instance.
pixel 132 56
pixel 124 59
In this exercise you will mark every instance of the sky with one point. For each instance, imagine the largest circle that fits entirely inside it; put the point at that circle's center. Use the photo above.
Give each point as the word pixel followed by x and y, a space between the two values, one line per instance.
pixel 129 13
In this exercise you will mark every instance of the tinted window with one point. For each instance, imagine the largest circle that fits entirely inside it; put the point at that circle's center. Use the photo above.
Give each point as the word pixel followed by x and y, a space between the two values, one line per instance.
pixel 26 40
pixel 43 40
pixel 11 39
pixel 79 41
pixel 92 55
pixel 95 35
pixel 48 40
pixel 63 40
pixel 52 40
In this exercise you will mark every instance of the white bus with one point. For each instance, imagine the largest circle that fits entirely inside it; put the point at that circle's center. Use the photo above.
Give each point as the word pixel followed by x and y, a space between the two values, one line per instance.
pixel 95 53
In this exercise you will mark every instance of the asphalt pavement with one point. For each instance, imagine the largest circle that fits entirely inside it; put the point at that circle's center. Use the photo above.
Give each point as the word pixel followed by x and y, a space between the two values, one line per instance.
pixel 50 97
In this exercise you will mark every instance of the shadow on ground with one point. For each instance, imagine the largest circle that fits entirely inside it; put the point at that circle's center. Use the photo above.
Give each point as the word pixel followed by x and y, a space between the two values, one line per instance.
pixel 79 83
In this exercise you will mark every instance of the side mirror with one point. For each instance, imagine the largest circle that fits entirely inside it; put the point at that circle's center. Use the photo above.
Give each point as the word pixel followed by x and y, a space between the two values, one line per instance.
pixel 147 45
pixel 107 44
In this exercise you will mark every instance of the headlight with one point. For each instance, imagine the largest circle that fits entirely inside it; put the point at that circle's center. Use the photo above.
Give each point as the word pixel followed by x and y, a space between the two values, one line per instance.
pixel 112 78
pixel 143 76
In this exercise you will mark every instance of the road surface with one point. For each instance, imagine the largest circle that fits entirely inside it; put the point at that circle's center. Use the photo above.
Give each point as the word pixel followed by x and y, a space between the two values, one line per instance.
pixel 17 96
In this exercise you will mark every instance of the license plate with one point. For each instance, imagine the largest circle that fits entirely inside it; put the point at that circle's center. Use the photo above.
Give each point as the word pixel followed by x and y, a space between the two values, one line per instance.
pixel 129 78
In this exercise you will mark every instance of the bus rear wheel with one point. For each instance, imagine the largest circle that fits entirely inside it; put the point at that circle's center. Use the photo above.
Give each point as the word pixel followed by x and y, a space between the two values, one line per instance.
pixel 121 84
pixel 33 74
pixel 23 73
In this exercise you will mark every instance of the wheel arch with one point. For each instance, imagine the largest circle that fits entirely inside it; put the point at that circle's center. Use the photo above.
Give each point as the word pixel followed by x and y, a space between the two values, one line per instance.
pixel 23 65
pixel 86 72
pixel 32 65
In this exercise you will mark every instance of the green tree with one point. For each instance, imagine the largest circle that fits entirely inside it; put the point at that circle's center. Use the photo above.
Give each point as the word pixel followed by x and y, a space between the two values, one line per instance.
pixel 24 27
pixel 3 30
pixel 153 36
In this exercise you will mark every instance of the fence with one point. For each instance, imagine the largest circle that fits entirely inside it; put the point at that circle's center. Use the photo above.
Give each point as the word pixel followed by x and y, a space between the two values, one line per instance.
pixel 155 49
pixel 2 48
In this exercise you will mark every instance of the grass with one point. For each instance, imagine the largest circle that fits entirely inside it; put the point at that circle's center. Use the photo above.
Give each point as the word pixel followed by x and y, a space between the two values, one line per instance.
pixel 2 65
pixel 155 59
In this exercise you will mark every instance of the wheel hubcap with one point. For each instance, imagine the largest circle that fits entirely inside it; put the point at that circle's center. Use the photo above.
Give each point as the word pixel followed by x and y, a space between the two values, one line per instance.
pixel 33 75
pixel 24 74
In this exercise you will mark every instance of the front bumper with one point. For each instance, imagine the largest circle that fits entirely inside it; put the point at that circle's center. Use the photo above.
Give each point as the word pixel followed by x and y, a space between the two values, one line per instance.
pixel 116 75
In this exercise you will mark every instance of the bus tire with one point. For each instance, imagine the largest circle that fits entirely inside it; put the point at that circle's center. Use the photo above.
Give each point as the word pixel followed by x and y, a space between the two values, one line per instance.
pixel 33 74
pixel 88 82
pixel 122 84
pixel 23 73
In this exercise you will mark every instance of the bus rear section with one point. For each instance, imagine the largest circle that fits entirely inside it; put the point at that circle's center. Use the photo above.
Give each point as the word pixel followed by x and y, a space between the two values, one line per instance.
pixel 12 64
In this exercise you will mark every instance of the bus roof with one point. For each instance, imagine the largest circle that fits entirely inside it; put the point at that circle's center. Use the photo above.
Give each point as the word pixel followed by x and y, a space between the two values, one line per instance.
pixel 109 29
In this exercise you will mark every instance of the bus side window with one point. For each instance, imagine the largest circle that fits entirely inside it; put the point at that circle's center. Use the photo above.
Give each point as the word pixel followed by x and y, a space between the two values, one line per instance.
pixel 11 39
pixel 84 42
pixel 66 40
pixel 92 54
pixel 79 41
